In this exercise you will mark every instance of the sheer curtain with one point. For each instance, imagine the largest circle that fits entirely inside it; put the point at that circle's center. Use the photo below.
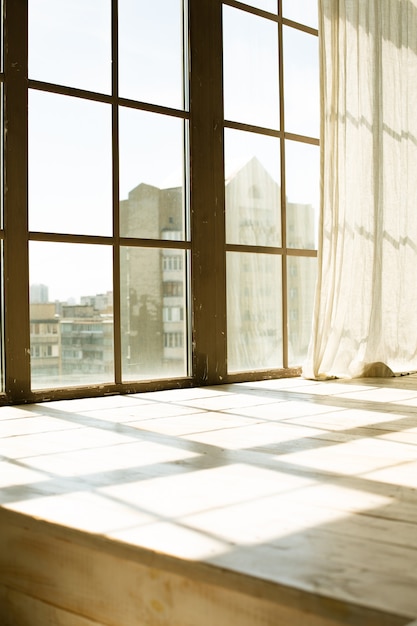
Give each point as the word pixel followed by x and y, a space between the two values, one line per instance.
pixel 365 317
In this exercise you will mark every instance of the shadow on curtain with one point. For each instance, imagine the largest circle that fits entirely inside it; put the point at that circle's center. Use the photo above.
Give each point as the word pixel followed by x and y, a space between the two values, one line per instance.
pixel 365 317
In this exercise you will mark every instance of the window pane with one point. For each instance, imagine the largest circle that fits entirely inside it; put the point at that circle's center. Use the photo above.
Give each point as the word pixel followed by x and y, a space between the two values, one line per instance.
pixel 302 163
pixel 151 175
pixel 253 191
pixel 301 82
pixel 254 317
pixel 71 314
pixel 151 57
pixel 250 66
pixel 153 313
pixel 70 43
pixel 301 278
pixel 303 11
pixel 265 5
pixel 70 165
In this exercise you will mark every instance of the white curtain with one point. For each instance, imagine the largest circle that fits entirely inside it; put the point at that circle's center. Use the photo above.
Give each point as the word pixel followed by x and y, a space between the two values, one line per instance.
pixel 365 318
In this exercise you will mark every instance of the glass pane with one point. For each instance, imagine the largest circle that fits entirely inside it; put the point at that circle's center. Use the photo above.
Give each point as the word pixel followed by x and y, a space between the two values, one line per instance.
pixel 254 316
pixel 151 57
pixel 250 68
pixel 302 163
pixel 301 83
pixel 151 175
pixel 303 11
pixel 265 5
pixel 253 214
pixel 71 314
pixel 70 165
pixel 153 313
pixel 301 278
pixel 70 43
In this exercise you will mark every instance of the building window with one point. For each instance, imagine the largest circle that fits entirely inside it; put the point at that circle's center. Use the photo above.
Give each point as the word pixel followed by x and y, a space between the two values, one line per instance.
pixel 173 340
pixel 172 288
pixel 172 263
pixel 173 314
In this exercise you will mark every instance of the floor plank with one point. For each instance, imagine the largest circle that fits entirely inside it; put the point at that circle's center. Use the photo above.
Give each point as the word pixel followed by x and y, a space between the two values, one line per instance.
pixel 300 485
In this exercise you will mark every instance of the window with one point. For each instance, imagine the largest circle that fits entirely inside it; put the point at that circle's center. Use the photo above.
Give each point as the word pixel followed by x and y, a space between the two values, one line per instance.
pixel 271 127
pixel 172 262
pixel 172 288
pixel 173 340
pixel 169 214
pixel 173 314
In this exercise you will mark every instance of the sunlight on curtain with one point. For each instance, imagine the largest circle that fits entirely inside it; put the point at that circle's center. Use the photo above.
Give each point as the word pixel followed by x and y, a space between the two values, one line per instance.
pixel 366 302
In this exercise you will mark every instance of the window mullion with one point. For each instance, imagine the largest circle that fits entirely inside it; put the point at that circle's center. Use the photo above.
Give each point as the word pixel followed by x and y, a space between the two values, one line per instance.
pixel 116 203
pixel 207 192
pixel 283 198
pixel 17 344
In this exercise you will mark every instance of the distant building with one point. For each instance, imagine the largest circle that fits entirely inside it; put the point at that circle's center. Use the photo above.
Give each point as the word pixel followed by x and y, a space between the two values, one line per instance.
pixel 102 302
pixel 86 342
pixel 254 304
pixel 38 294
pixel 153 285
pixel 45 341
pixel 253 201
pixel 72 345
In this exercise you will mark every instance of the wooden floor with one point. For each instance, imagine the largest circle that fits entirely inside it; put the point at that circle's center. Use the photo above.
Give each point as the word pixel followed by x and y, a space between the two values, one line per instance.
pixel 287 502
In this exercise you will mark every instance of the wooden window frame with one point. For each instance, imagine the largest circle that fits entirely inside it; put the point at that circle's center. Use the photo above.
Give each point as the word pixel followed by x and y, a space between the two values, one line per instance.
pixel 205 243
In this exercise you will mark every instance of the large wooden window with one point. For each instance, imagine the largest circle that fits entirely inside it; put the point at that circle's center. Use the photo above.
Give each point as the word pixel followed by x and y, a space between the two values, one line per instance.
pixel 160 197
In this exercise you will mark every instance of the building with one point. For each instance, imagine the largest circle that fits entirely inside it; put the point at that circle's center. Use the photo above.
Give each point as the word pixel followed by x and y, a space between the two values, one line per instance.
pixel 154 336
pixel 153 301
pixel 70 343
pixel 87 344
pixel 253 217
pixel 39 294
pixel 45 341
pixel 102 302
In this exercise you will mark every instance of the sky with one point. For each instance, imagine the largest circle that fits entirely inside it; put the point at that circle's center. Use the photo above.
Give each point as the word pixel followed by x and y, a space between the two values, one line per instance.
pixel 70 169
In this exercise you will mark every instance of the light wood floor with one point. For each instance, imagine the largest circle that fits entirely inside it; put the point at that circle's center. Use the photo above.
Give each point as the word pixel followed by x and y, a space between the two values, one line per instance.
pixel 286 502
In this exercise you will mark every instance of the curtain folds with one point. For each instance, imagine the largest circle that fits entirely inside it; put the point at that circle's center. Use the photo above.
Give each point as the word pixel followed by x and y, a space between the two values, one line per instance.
pixel 365 317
